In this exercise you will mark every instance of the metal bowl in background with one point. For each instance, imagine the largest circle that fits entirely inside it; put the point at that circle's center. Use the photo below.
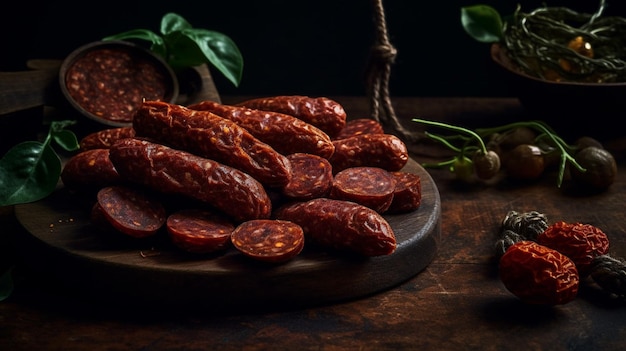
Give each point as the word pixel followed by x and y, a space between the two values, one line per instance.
pixel 572 109
pixel 106 81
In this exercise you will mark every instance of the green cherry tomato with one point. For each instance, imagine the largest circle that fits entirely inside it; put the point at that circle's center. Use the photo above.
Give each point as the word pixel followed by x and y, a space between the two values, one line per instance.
pixel 486 165
pixel 525 162
pixel 600 166
pixel 463 168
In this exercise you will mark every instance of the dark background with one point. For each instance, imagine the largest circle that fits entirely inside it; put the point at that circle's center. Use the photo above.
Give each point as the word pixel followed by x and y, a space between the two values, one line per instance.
pixel 290 47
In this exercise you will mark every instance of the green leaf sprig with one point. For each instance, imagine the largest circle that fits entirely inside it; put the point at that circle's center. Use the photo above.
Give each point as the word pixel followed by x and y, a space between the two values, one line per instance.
pixel 182 46
pixel 6 283
pixel 545 133
pixel 461 164
pixel 483 23
pixel 30 170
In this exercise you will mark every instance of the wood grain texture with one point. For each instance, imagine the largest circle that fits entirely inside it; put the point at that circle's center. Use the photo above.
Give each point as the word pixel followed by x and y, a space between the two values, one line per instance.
pixel 155 271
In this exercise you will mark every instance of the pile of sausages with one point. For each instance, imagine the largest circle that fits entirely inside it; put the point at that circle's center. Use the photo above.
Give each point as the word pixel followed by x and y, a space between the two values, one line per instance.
pixel 262 176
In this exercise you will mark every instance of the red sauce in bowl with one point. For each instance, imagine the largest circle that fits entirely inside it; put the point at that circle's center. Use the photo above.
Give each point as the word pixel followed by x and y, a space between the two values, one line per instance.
pixel 111 81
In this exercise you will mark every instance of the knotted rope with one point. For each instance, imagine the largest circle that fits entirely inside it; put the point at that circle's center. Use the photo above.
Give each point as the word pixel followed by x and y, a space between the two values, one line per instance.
pixel 382 57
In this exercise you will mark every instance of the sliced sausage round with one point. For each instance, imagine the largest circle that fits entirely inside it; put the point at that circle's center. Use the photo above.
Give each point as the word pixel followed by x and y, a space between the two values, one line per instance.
pixel 199 231
pixel 131 211
pixel 407 195
pixel 268 240
pixel 312 177
pixel 369 186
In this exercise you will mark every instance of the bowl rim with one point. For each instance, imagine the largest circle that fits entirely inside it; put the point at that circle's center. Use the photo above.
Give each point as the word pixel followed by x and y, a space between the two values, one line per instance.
pixel 498 55
pixel 173 87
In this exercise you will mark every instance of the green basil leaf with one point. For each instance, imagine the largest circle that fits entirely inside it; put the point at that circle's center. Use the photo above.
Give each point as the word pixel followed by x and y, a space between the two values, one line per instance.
pixel 173 22
pixel 66 139
pixel 220 50
pixel 482 22
pixel 29 172
pixel 183 52
pixel 6 284
pixel 157 44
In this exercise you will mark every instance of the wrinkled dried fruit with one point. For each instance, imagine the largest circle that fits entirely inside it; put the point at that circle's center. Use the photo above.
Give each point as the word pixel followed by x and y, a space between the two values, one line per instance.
pixel 580 242
pixel 538 274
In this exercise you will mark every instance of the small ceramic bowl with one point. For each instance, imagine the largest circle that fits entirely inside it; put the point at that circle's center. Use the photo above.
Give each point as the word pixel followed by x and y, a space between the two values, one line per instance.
pixel 106 81
pixel 572 109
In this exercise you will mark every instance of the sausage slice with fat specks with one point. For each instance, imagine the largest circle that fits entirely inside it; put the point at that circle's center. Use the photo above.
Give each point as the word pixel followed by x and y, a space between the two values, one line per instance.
pixel 268 240
pixel 131 211
pixel 312 177
pixel 369 186
pixel 199 230
pixel 407 196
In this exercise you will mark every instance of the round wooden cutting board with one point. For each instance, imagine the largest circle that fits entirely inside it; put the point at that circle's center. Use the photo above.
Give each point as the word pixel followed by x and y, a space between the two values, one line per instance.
pixel 67 246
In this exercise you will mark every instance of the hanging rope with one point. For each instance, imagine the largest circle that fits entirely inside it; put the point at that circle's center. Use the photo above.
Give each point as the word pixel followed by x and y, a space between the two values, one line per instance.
pixel 383 55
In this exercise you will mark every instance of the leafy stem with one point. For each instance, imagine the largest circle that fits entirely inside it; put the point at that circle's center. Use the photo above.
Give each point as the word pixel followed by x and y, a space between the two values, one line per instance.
pixel 30 170
pixel 546 131
pixel 473 134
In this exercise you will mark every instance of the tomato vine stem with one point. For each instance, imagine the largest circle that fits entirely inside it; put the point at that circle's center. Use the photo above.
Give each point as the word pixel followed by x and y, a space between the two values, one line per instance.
pixel 478 134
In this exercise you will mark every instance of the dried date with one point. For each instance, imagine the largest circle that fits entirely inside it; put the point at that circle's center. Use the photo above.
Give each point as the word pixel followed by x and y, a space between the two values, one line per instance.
pixel 538 274
pixel 580 242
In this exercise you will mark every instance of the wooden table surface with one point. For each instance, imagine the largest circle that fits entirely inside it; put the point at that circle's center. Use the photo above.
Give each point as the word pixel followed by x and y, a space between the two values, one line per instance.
pixel 456 303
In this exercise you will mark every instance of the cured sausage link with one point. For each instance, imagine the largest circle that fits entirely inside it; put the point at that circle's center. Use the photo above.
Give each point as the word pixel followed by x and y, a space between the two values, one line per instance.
pixel 103 139
pixel 172 171
pixel 385 151
pixel 211 136
pixel 342 225
pixel 324 113
pixel 285 133
pixel 91 169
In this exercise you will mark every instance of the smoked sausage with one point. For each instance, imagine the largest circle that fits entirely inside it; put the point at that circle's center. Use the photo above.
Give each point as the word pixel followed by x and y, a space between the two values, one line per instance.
pixel 214 137
pixel 285 133
pixel 91 169
pixel 173 171
pixel 385 151
pixel 322 112
pixel 103 139
pixel 341 225
pixel 268 240
pixel 360 126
